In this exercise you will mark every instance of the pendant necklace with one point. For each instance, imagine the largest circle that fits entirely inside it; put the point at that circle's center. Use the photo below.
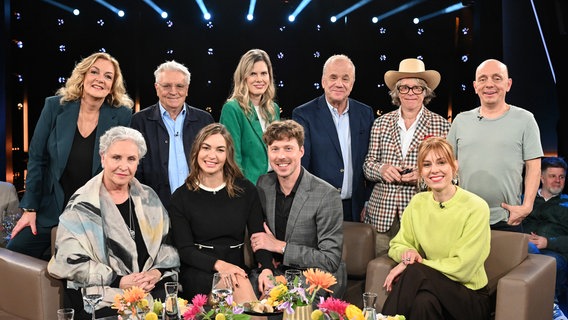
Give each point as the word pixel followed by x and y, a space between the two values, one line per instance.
pixel 131 224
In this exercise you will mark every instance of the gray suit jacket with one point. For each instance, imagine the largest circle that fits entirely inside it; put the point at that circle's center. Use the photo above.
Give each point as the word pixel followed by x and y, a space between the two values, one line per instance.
pixel 314 233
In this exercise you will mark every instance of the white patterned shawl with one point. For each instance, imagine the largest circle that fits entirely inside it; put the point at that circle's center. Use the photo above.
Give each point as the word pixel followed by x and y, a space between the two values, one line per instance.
pixel 93 238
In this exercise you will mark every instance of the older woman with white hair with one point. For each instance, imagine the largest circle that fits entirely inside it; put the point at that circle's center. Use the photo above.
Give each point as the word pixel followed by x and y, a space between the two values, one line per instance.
pixel 116 227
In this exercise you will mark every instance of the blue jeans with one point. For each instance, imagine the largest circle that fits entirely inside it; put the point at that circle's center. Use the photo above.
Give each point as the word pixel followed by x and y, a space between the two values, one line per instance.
pixel 561 294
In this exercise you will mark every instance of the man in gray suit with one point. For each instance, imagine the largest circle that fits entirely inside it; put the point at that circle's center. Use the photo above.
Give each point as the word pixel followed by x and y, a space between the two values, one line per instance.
pixel 304 213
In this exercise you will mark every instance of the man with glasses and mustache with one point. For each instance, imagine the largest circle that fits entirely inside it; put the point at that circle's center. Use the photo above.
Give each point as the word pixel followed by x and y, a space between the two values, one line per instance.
pixel 169 128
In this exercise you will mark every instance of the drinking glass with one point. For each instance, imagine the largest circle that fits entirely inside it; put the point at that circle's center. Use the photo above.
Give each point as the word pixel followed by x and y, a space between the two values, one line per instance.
pixel 65 314
pixel 291 275
pixel 93 291
pixel 369 300
pixel 221 287
pixel 171 306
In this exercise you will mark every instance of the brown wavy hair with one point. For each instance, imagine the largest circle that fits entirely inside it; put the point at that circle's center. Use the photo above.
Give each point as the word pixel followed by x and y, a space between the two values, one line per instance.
pixel 231 171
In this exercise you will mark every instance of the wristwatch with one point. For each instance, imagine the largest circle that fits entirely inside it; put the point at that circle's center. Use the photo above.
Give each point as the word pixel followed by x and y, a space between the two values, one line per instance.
pixel 28 210
pixel 283 248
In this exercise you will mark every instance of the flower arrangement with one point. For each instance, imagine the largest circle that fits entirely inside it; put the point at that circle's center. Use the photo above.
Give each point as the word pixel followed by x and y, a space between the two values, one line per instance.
pixel 288 299
pixel 225 310
pixel 131 302
pixel 336 309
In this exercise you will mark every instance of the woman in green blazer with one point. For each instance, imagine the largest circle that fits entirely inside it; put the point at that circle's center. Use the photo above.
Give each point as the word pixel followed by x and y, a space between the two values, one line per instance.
pixel 249 110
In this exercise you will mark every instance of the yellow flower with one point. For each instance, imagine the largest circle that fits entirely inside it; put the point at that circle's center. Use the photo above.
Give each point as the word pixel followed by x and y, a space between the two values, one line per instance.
pixel 151 316
pixel 319 279
pixel 316 314
pixel 220 316
pixel 143 303
pixel 354 313
pixel 278 291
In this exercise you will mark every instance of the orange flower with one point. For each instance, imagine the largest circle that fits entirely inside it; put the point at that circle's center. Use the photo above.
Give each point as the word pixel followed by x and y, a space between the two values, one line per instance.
pixel 280 279
pixel 319 279
pixel 134 294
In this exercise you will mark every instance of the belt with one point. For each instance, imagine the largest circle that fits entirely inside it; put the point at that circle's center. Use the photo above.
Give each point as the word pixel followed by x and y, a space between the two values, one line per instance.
pixel 204 246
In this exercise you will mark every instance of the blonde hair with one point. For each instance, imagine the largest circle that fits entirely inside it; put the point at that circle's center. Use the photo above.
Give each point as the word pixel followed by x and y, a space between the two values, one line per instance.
pixel 240 89
pixel 73 89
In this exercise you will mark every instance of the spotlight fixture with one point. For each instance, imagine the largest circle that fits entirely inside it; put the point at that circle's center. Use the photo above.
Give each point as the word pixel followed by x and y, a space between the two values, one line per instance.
pixel 298 9
pixel 396 10
pixel 204 11
pixel 156 8
pixel 62 6
pixel 350 9
pixel 110 7
pixel 449 9
pixel 250 14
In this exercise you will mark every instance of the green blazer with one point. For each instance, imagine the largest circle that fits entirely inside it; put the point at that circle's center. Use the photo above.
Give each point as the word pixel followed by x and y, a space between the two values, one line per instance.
pixel 250 150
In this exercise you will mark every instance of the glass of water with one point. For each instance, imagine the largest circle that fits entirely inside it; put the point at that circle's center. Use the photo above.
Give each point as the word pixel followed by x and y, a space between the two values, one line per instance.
pixel 93 291
pixel 221 287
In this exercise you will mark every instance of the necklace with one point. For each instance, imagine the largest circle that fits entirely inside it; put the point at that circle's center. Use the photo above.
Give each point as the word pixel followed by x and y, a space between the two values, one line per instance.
pixel 131 222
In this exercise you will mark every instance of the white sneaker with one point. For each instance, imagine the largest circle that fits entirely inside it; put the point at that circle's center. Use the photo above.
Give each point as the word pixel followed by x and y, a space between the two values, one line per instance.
pixel 557 314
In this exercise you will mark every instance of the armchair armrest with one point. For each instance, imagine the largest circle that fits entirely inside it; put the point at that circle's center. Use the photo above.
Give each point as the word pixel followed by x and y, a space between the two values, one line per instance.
pixel 377 271
pixel 27 290
pixel 527 291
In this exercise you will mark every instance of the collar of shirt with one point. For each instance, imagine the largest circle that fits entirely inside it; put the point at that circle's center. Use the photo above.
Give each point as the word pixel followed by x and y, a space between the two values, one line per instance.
pixel 335 114
pixel 295 188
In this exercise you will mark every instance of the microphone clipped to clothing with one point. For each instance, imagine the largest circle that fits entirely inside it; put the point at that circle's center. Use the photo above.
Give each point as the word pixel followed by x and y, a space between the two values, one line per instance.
pixel 442 206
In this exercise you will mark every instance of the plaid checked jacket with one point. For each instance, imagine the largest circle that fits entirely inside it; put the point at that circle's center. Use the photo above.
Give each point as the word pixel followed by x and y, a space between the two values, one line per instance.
pixel 390 199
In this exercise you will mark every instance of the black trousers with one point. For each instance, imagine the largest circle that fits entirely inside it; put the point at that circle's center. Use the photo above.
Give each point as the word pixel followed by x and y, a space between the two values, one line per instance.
pixel 423 293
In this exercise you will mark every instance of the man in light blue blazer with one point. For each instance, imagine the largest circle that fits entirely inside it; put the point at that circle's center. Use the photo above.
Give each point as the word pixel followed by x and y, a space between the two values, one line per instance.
pixel 337 131
pixel 303 212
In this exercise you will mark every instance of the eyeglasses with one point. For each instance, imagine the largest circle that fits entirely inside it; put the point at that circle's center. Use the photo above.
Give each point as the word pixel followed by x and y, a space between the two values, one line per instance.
pixel 169 86
pixel 406 89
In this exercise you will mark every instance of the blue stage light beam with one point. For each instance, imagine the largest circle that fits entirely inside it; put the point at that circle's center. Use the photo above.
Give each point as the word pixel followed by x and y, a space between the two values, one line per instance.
pixel 396 10
pixel 349 10
pixel 250 14
pixel 62 6
pixel 112 8
pixel 206 14
pixel 298 9
pixel 154 6
pixel 544 42
pixel 452 8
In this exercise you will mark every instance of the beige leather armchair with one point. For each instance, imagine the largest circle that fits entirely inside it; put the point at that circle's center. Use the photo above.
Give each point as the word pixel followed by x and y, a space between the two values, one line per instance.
pixel 521 284
pixel 358 250
pixel 26 289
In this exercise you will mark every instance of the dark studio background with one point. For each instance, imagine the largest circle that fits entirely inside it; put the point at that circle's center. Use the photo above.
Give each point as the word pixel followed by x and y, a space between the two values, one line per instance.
pixel 53 40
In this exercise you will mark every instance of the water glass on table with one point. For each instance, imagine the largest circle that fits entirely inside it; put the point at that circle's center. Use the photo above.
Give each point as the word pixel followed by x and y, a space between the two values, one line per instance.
pixel 369 300
pixel 291 275
pixel 65 314
pixel 93 291
pixel 221 287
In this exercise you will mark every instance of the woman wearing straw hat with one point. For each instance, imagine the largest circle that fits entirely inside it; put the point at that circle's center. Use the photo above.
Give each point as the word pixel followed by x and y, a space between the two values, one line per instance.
pixel 393 147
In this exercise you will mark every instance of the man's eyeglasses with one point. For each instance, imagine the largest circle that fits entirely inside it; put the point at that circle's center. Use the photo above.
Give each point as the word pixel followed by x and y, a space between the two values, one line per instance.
pixel 406 89
pixel 169 86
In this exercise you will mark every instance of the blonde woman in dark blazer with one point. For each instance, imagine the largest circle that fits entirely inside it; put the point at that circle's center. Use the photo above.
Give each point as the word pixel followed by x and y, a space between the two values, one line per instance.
pixel 249 110
pixel 64 150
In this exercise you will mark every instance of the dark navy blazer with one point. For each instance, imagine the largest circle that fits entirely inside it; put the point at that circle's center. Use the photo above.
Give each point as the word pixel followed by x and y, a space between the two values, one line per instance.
pixel 49 150
pixel 322 152
pixel 153 168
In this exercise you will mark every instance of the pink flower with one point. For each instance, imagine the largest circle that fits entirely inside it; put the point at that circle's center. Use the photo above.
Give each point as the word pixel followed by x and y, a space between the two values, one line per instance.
pixel 199 300
pixel 333 305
